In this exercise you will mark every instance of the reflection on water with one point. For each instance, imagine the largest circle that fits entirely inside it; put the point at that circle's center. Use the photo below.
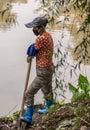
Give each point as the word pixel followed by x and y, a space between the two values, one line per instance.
pixel 13 46
pixel 7 17
pixel 13 66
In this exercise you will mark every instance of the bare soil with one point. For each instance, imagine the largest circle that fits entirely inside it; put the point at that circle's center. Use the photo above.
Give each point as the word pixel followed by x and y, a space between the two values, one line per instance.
pixel 76 116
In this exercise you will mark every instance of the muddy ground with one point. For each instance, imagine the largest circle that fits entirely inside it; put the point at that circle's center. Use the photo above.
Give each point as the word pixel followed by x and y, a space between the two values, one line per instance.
pixel 71 116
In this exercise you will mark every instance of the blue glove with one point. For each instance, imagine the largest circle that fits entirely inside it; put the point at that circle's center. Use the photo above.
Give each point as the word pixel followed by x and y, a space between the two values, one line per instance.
pixel 31 51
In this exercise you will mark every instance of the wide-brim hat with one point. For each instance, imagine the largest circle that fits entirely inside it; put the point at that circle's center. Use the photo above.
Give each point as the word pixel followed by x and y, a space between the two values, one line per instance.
pixel 38 21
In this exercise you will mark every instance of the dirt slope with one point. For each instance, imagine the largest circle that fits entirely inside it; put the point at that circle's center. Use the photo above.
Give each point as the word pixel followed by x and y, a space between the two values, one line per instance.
pixel 71 116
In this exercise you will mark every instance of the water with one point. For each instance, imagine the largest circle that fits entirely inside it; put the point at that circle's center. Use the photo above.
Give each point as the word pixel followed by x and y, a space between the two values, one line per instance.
pixel 13 65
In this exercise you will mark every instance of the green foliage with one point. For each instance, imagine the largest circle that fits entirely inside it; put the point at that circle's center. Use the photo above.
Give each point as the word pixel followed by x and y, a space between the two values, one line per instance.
pixel 60 65
pixel 80 110
pixel 62 102
pixel 84 12
pixel 82 90
pixel 15 115
pixel 80 9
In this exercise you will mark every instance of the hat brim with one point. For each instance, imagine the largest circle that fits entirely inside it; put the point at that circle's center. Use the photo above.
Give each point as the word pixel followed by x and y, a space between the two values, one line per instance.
pixel 30 25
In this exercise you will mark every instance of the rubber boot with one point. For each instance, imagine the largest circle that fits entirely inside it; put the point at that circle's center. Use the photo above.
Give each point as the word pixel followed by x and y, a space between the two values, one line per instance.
pixel 28 114
pixel 48 104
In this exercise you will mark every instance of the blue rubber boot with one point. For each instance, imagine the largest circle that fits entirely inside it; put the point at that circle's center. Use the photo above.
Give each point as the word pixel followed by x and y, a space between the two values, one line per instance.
pixel 48 104
pixel 28 114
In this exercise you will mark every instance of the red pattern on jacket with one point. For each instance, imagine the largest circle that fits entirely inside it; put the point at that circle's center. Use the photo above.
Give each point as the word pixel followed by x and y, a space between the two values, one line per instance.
pixel 44 43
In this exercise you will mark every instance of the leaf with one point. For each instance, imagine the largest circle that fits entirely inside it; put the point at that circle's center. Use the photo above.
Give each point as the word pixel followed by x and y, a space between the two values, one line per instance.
pixel 83 82
pixel 88 88
pixel 71 72
pixel 74 97
pixel 43 1
pixel 72 88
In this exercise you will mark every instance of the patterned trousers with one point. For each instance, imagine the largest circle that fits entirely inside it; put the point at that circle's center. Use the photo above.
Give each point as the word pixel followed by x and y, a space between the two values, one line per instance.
pixel 43 81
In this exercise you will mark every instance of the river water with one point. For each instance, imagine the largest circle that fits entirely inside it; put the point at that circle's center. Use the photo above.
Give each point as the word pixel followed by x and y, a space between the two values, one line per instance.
pixel 13 65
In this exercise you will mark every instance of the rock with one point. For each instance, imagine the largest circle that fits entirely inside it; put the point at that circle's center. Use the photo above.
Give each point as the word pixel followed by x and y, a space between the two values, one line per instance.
pixel 65 124
pixel 14 122
pixel 83 128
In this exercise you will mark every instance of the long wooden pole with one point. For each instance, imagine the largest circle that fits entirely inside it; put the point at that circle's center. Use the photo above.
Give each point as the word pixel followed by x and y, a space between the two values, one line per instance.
pixel 25 88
